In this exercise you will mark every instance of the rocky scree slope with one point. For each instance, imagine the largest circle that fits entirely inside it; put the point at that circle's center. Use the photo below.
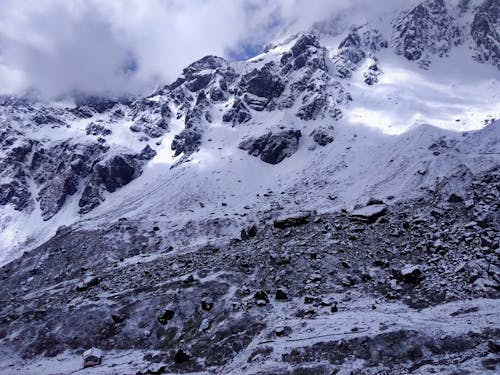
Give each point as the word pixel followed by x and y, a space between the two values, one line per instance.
pixel 381 290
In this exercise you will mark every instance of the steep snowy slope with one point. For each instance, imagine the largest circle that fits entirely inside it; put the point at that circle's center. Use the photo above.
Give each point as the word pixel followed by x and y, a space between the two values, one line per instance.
pixel 321 121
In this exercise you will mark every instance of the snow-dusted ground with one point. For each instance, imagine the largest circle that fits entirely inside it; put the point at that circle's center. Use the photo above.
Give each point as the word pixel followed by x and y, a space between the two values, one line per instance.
pixel 360 320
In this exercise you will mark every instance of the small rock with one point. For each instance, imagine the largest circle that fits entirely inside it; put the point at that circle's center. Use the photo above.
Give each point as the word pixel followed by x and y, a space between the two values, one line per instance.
pixel 207 305
pixel 281 295
pixel 188 280
pixel 308 300
pixel 283 331
pixel 292 222
pixel 117 318
pixel 166 316
pixel 261 296
pixel 412 275
pixel 369 214
pixel 88 283
pixel 181 357
pixel 252 231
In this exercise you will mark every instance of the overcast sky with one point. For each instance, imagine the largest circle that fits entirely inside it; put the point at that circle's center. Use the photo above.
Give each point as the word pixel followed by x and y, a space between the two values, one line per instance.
pixel 127 45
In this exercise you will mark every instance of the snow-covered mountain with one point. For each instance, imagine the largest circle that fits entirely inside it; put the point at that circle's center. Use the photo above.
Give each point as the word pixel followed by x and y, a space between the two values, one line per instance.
pixel 397 108
pixel 302 105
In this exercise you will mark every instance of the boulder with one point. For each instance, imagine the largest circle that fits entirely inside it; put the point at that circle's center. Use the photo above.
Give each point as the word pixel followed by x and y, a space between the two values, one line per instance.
pixel 322 136
pixel 369 214
pixel 181 357
pixel 272 148
pixel 412 275
pixel 261 296
pixel 166 316
pixel 88 283
pixel 292 221
pixel 281 295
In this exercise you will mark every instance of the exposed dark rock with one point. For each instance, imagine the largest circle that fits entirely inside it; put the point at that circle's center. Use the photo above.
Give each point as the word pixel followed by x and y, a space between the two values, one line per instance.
pixel 252 231
pixel 281 295
pixel 118 318
pixel 187 141
pixel 261 296
pixel 362 42
pixel 88 283
pixel 317 99
pixel 303 43
pixel 426 29
pixel 243 235
pixel 452 189
pixel 484 31
pixel 217 94
pixel 263 83
pixel 15 194
pixel 207 305
pixel 292 222
pixel 199 82
pixel 151 117
pixel 97 129
pixel 112 174
pixel 166 316
pixel 238 114
pixel 181 357
pixel 369 214
pixel 99 104
pixel 372 74
pixel 412 275
pixel 273 147
pixel 322 136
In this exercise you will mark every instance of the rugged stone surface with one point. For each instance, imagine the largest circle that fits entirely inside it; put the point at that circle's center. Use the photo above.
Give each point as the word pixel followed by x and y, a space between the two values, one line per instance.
pixel 429 28
pixel 343 284
pixel 263 83
pixel 362 42
pixel 322 136
pixel 111 174
pixel 370 213
pixel 486 33
pixel 272 148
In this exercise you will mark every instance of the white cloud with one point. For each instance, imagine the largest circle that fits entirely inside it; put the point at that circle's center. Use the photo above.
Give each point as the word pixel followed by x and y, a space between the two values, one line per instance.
pixel 59 45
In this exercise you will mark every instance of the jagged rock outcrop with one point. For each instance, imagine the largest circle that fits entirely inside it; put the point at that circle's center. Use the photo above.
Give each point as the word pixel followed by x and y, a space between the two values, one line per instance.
pixel 263 83
pixel 272 147
pixel 361 43
pixel 428 29
pixel 238 114
pixel 486 32
pixel 307 77
pixel 189 139
pixel 310 83
pixel 322 136
pixel 111 174
pixel 151 117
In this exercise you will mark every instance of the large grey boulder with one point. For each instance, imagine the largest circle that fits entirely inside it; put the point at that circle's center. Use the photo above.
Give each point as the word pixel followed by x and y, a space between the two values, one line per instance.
pixel 272 148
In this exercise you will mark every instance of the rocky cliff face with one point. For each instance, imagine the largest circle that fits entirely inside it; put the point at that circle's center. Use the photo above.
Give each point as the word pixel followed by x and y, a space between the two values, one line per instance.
pixel 486 32
pixel 434 27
